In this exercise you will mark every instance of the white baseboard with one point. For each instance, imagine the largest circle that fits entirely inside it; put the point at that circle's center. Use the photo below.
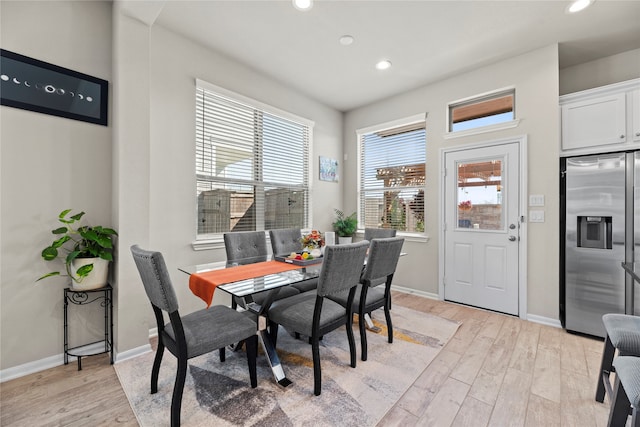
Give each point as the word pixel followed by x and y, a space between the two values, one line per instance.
pixel 43 364
pixel 544 320
pixel 134 352
pixel 530 317
pixel 58 360
pixel 415 292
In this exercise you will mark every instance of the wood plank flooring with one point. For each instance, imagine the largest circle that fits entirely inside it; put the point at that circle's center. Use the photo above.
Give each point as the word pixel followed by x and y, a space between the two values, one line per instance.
pixel 496 371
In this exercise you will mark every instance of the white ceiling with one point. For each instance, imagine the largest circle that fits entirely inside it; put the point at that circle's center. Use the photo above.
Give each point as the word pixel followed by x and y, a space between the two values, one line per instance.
pixel 426 41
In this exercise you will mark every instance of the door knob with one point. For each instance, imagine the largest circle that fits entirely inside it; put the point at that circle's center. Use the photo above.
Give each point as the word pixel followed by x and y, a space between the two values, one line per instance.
pixel 512 238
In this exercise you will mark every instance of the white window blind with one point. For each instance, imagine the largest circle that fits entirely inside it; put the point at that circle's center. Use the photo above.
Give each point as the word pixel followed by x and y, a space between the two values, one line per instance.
pixel 392 177
pixel 252 166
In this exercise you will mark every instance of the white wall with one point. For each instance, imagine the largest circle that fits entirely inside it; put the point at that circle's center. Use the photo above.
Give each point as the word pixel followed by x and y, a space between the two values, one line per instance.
pixel 137 174
pixel 535 77
pixel 601 72
pixel 169 173
pixel 47 164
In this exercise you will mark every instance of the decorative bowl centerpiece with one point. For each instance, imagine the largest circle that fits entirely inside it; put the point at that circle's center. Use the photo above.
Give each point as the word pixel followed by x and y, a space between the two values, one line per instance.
pixel 312 243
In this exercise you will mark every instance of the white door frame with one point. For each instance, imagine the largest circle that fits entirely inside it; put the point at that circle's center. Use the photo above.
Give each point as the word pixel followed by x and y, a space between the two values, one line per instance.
pixel 521 140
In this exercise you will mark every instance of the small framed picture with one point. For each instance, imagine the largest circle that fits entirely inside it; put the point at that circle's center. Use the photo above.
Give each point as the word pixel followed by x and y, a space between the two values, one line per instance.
pixel 38 86
pixel 328 169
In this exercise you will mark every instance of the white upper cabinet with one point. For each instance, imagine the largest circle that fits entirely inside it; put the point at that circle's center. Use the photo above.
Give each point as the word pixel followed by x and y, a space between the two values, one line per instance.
pixel 601 119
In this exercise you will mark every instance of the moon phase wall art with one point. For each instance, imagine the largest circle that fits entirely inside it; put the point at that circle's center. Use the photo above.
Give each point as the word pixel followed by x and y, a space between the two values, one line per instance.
pixel 35 85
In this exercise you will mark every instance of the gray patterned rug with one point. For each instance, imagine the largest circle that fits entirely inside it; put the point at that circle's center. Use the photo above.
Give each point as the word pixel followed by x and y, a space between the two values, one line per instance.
pixel 219 394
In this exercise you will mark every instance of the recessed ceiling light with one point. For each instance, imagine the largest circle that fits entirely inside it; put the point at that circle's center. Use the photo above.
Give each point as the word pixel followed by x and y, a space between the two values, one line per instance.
pixel 346 40
pixel 303 4
pixel 578 5
pixel 383 65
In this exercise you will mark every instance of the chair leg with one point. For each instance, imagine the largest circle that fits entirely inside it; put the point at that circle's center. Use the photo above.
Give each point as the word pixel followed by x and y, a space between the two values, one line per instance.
pixel 155 371
pixel 311 340
pixel 317 374
pixel 222 354
pixel 178 388
pixel 619 406
pixel 363 337
pixel 606 367
pixel 352 342
pixel 387 315
pixel 252 352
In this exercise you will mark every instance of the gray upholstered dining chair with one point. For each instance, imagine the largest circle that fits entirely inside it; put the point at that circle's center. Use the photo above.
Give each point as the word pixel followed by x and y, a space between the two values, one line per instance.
pixel 378 233
pixel 246 247
pixel 622 334
pixel 192 335
pixel 285 241
pixel 370 294
pixel 313 314
pixel 626 394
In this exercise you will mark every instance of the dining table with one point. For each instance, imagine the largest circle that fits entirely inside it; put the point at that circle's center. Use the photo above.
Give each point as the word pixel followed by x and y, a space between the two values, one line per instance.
pixel 246 278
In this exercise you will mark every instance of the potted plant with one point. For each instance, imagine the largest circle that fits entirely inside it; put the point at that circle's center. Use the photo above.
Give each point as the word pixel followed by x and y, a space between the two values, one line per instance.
pixel 84 250
pixel 345 226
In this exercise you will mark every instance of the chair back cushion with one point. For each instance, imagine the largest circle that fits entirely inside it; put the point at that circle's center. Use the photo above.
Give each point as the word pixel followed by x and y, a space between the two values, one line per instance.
pixel 155 278
pixel 245 244
pixel 341 267
pixel 285 241
pixel 382 260
pixel 378 233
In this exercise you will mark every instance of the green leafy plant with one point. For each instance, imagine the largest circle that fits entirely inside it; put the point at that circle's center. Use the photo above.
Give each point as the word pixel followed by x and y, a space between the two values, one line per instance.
pixel 345 226
pixel 79 242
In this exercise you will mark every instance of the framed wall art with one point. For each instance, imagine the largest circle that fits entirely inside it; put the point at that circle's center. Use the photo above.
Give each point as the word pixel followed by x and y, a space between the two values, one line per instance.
pixel 328 169
pixel 35 85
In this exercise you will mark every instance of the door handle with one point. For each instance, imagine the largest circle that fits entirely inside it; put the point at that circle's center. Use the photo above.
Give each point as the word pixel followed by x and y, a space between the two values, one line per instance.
pixel 512 238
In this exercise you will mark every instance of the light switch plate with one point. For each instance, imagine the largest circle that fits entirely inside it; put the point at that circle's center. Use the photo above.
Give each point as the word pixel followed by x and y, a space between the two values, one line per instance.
pixel 536 200
pixel 536 216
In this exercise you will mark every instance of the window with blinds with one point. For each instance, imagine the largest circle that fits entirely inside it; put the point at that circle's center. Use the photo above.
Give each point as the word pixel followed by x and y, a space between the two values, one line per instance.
pixel 392 177
pixel 484 110
pixel 252 165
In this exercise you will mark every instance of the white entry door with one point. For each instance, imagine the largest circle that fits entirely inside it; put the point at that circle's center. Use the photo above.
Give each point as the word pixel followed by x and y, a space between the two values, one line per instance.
pixel 482 223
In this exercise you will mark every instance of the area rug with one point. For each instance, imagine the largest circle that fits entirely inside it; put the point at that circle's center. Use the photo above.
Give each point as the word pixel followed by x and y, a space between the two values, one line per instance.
pixel 219 394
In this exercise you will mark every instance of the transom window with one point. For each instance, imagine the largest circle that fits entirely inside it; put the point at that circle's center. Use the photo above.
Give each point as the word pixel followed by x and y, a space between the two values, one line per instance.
pixel 484 110
pixel 252 164
pixel 392 176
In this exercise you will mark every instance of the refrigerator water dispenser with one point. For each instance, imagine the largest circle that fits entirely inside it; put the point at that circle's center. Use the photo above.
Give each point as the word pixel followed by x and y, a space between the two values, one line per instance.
pixel 594 232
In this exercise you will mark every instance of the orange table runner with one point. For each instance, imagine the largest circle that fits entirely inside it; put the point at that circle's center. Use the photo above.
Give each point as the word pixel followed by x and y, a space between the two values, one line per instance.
pixel 204 284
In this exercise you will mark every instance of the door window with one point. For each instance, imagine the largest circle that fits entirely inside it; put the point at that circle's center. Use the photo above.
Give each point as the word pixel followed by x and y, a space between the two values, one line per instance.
pixel 479 196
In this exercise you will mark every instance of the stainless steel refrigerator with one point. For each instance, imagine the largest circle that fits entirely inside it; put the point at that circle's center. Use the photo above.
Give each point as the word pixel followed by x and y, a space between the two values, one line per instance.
pixel 599 215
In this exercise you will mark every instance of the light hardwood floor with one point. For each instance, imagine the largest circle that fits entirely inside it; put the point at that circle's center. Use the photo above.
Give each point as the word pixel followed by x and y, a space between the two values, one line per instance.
pixel 496 371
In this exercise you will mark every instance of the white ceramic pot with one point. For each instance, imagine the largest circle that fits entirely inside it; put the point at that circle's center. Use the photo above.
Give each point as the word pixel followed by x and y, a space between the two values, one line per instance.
pixel 329 238
pixel 96 279
pixel 344 240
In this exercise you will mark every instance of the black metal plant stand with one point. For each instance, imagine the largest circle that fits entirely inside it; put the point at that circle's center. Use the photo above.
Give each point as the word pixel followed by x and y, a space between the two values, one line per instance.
pixel 104 296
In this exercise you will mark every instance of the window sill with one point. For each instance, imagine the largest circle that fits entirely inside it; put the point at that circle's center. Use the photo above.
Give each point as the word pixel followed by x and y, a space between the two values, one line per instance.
pixel 216 242
pixel 409 237
pixel 484 129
